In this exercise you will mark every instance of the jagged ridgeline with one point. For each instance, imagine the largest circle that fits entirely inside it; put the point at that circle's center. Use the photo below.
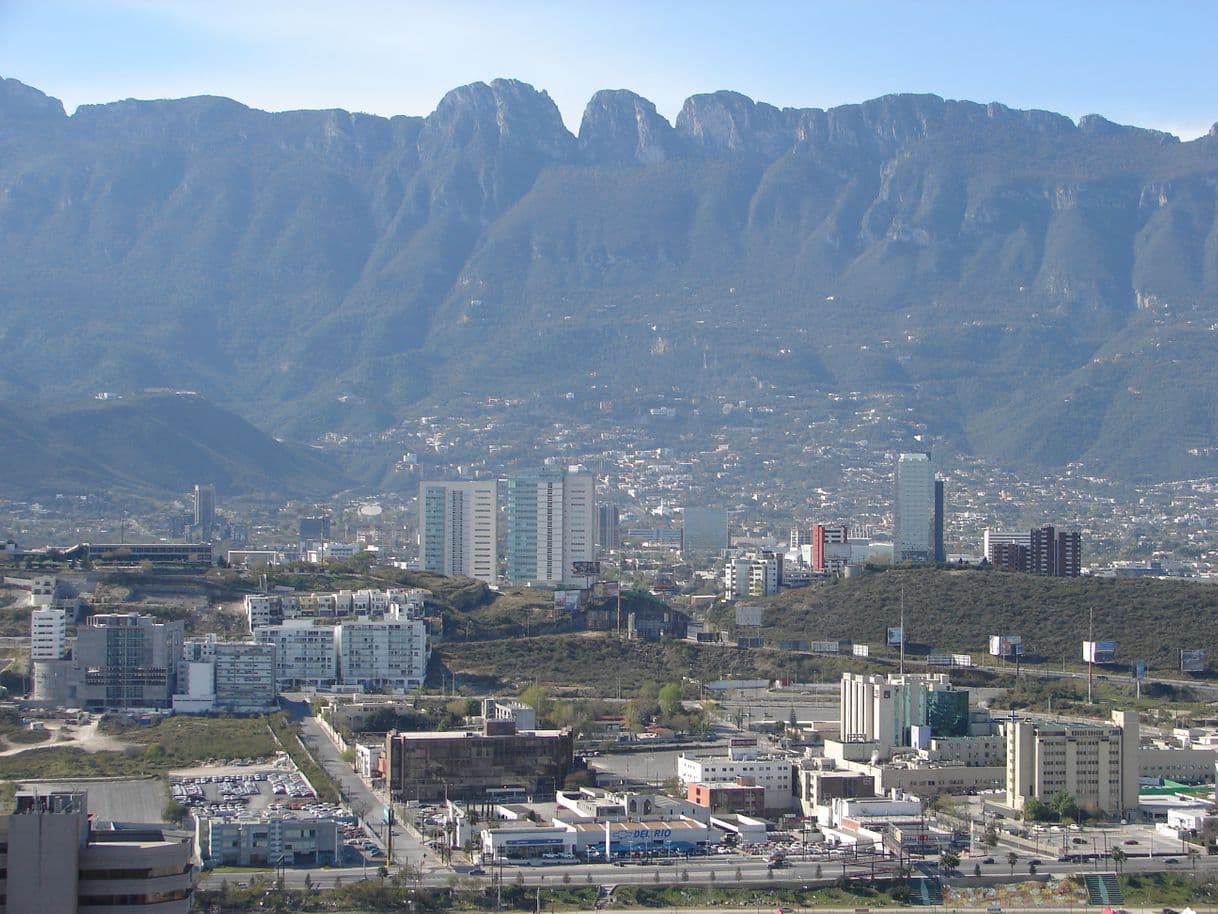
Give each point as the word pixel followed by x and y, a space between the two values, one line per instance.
pixel 1037 290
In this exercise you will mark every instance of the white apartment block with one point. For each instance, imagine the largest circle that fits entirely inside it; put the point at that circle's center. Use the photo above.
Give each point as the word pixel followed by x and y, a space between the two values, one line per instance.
pixel 458 529
pixel 551 525
pixel 48 632
pixel 776 775
pixel 305 653
pixel 237 677
pixel 379 655
pixel 271 609
pixel 994 537
pixel 1096 764
pixel 579 522
pixel 42 590
pixel 751 575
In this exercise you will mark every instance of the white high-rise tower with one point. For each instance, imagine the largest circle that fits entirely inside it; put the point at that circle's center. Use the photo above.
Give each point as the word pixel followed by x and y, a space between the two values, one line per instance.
pixel 457 529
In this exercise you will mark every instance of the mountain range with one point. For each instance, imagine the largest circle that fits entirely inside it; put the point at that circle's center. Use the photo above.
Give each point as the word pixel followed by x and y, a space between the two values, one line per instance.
pixel 1036 290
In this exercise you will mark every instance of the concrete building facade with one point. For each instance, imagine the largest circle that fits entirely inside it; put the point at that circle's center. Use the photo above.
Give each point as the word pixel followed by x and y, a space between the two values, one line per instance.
pixel 551 518
pixel 458 528
pixel 53 857
pixel 1096 764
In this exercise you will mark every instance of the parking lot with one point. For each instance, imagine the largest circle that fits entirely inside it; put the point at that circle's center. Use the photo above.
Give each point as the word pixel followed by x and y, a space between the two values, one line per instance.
pixel 239 790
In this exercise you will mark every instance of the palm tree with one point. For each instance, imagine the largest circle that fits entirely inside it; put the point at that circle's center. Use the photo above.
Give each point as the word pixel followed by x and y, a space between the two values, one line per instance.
pixel 1194 855
pixel 1012 859
pixel 1118 858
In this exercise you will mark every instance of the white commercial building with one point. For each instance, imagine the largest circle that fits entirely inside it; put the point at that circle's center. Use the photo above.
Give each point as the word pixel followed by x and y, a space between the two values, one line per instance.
pixel 383 655
pixel 236 677
pixel 48 631
pixel 457 529
pixel 885 709
pixel 776 775
pixel 913 510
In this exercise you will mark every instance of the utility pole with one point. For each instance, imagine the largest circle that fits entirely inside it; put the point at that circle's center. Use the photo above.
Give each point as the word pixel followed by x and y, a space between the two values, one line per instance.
pixel 901 666
pixel 1090 652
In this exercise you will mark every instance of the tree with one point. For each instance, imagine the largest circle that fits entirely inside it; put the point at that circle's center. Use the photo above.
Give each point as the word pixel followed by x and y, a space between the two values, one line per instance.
pixel 1036 811
pixel 949 860
pixel 382 872
pixel 1194 855
pixel 976 869
pixel 538 698
pixel 1118 858
pixel 1032 864
pixel 1064 805
pixel 989 837
pixel 1012 859
pixel 670 700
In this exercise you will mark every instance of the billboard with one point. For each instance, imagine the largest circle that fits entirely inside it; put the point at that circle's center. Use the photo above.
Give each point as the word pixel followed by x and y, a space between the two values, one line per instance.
pixel 1192 660
pixel 585 569
pixel 1006 645
pixel 895 635
pixel 748 615
pixel 826 647
pixel 566 601
pixel 1099 651
pixel 962 659
pixel 862 650
pixel 611 588
pixel 748 642
pixel 792 644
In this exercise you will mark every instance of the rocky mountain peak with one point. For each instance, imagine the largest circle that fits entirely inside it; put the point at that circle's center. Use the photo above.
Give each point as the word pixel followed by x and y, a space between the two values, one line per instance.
pixel 728 122
pixel 507 113
pixel 22 103
pixel 620 126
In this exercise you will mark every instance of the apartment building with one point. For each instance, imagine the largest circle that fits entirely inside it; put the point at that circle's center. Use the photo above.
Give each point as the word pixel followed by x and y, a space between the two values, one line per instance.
pixel 235 677
pixel 752 574
pixel 551 516
pixel 305 653
pixel 48 634
pixel 458 529
pixel 383 655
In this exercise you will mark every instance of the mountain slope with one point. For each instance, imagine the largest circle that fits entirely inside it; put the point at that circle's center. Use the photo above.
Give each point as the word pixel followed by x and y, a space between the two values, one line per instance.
pixel 151 445
pixel 1026 285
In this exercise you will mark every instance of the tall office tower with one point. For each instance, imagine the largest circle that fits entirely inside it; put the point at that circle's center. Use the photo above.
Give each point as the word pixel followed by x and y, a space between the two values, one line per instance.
pixel 800 536
pixel 457 529
pixel 608 527
pixel 1069 555
pixel 551 518
pixel 824 538
pixel 705 531
pixel 205 510
pixel 1042 552
pixel 940 548
pixel 912 539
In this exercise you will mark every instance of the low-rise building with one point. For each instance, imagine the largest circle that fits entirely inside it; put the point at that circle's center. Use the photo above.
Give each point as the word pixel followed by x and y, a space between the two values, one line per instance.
pixel 739 796
pixel 468 765
pixel 287 841
pixel 773 773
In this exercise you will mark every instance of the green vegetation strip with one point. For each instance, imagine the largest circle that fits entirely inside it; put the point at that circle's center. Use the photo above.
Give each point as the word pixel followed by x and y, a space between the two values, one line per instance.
pixel 326 789
pixel 391 892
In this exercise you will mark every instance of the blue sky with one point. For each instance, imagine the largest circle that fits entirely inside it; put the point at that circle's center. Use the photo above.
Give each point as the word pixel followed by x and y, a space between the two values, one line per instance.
pixel 1144 63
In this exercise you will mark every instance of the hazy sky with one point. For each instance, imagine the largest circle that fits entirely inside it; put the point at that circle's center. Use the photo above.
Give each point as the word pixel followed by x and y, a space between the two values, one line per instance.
pixel 1145 63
